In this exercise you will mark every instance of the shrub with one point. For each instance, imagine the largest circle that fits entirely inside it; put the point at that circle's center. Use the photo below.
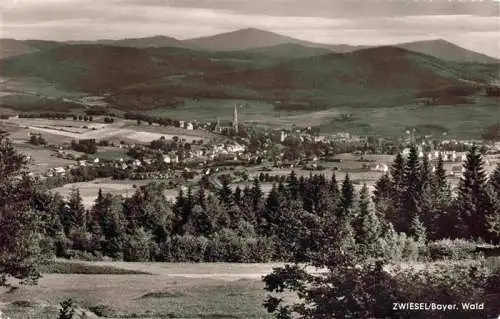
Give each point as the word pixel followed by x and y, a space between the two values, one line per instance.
pixel 456 249
pixel 186 248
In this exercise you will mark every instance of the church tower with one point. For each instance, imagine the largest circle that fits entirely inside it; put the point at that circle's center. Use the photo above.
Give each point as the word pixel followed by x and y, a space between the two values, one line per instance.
pixel 235 118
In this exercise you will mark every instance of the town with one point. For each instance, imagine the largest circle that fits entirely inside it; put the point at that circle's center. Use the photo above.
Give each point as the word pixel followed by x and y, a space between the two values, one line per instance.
pixel 114 154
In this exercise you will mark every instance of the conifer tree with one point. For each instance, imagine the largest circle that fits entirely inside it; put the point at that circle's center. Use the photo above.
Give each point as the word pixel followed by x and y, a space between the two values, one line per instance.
pixel 225 194
pixel 76 214
pixel 494 179
pixel 397 176
pixel 347 198
pixel 113 227
pixel 440 183
pixel 201 197
pixel 417 230
pixel 334 188
pixel 238 195
pixel 493 217
pixel 385 207
pixel 366 226
pixel 411 191
pixel 473 204
pixel 425 173
pixel 269 218
pixel 257 195
pixel 293 186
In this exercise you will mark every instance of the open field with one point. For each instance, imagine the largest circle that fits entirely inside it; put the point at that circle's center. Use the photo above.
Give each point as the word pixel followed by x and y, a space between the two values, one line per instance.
pixel 168 290
pixel 120 130
pixel 41 159
pixel 89 190
pixel 458 121
pixel 167 293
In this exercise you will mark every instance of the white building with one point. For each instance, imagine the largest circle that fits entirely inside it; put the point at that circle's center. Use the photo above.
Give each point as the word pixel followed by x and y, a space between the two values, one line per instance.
pixel 189 126
pixel 283 136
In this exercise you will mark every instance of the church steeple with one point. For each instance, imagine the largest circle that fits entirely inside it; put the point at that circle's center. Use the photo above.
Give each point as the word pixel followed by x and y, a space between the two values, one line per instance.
pixel 235 118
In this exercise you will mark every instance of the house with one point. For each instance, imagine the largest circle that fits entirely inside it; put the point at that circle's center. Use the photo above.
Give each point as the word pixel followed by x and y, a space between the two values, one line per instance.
pixel 380 168
pixel 96 160
pixel 283 136
pixel 59 171
pixel 137 163
pixel 189 126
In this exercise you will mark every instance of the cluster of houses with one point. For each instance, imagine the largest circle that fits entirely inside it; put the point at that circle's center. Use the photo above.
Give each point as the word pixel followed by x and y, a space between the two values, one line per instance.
pixel 447 156
pixel 307 135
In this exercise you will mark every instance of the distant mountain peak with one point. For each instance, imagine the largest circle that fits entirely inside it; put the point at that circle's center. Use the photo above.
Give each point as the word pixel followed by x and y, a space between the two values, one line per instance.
pixel 446 50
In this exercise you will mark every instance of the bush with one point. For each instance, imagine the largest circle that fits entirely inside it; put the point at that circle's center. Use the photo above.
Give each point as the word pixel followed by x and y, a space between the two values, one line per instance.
pixel 186 248
pixel 139 246
pixel 456 249
pixel 103 311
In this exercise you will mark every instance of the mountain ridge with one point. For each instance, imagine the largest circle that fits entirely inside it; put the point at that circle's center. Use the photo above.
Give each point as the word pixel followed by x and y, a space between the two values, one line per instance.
pixel 252 39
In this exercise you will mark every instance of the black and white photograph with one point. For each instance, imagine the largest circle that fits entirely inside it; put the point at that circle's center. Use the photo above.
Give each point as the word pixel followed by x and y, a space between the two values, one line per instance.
pixel 264 159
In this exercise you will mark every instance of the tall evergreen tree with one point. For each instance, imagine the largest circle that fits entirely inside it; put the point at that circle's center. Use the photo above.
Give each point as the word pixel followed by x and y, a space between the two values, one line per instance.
pixel 347 197
pixel 225 194
pixel 397 176
pixel 201 197
pixel 269 218
pixel 334 188
pixel 76 213
pixel 293 185
pixel 367 225
pixel 257 195
pixel 494 179
pixel 411 191
pixel 417 229
pixel 473 204
pixel 238 195
pixel 440 184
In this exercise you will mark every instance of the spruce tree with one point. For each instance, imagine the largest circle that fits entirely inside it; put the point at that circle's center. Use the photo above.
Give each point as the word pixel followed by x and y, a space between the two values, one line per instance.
pixel 494 179
pixel 347 197
pixel 397 177
pixel 238 195
pixel 440 183
pixel 417 230
pixel 425 173
pixel 493 217
pixel 201 197
pixel 411 191
pixel 225 194
pixel 473 203
pixel 269 218
pixel 76 213
pixel 293 185
pixel 367 225
pixel 334 188
pixel 257 195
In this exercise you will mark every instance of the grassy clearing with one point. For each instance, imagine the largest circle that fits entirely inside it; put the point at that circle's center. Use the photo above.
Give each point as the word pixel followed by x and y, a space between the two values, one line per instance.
pixel 140 296
pixel 67 267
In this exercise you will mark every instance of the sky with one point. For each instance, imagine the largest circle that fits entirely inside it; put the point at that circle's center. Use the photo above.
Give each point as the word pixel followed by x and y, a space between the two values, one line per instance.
pixel 473 24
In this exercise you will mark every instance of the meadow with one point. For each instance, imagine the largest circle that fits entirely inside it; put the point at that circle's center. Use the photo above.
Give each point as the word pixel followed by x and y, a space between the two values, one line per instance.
pixel 448 121
pixel 150 290
pixel 164 291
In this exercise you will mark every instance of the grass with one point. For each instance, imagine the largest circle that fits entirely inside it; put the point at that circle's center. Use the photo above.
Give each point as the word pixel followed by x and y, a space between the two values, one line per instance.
pixel 132 296
pixel 66 267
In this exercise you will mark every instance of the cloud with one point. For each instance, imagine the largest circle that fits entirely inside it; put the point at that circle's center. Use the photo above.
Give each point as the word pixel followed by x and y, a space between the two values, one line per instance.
pixel 338 8
pixel 93 19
